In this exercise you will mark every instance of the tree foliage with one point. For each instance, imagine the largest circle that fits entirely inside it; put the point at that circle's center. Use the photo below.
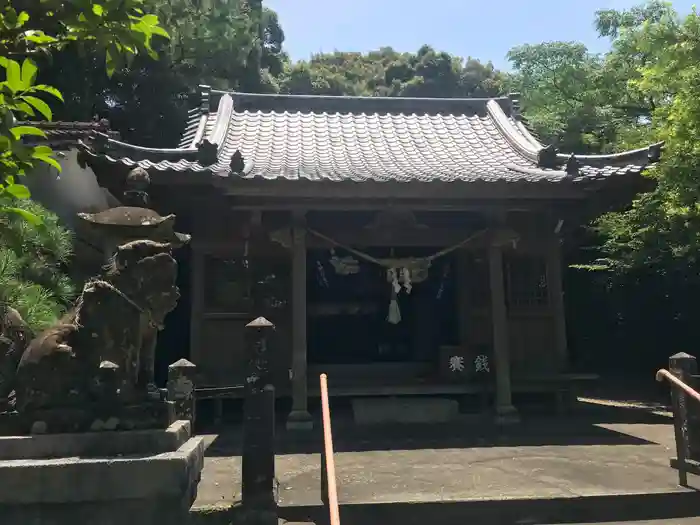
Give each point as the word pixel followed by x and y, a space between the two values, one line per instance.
pixel 33 259
pixel 662 228
pixel 386 72
pixel 228 44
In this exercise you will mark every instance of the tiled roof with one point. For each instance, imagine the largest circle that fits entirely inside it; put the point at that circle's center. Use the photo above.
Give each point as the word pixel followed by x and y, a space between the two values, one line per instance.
pixel 65 135
pixel 357 139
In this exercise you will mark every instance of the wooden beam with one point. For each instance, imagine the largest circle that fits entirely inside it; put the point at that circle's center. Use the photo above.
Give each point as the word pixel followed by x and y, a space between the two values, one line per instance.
pixel 446 191
pixel 413 204
pixel 438 238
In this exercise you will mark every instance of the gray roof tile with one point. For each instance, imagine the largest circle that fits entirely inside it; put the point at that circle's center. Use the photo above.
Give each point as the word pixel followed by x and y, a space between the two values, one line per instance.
pixel 366 139
pixel 66 134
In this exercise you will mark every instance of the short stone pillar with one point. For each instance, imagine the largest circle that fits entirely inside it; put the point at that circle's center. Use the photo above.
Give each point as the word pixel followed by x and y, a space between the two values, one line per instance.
pixel 258 461
pixel 110 384
pixel 181 383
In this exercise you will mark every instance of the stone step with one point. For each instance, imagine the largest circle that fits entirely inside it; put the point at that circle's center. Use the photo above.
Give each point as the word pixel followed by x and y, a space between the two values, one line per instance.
pixel 666 508
pixel 677 508
pixel 674 521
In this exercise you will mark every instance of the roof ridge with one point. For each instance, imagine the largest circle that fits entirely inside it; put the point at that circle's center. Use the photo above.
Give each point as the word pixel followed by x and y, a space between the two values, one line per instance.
pixel 353 97
pixel 275 102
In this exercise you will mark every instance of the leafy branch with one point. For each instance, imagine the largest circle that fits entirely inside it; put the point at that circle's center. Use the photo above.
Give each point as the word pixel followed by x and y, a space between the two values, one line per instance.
pixel 119 27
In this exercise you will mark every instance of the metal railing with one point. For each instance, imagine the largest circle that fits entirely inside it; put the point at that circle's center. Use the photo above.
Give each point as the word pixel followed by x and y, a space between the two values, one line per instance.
pixel 329 489
pixel 683 370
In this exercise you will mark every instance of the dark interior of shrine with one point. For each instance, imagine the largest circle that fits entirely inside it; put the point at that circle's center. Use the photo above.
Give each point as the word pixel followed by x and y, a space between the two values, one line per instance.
pixel 349 302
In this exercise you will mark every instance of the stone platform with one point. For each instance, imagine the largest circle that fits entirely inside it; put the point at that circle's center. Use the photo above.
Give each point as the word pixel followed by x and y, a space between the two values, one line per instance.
pixel 542 471
pixel 102 478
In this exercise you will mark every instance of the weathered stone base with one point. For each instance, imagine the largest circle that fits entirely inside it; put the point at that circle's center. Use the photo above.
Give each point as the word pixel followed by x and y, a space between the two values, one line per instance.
pixel 151 511
pixel 143 485
pixel 507 415
pixel 367 410
pixel 299 420
pixel 149 414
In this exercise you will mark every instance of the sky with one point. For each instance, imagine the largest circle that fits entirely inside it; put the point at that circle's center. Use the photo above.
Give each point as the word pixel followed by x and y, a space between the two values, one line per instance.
pixel 466 28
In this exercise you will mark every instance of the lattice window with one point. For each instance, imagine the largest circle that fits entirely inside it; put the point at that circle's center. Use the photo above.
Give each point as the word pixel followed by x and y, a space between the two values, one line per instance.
pixel 526 281
pixel 226 286
pixel 477 276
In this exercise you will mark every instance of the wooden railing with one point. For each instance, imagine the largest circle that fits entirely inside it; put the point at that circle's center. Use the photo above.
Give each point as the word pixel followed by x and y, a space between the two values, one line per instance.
pixel 682 376
pixel 329 489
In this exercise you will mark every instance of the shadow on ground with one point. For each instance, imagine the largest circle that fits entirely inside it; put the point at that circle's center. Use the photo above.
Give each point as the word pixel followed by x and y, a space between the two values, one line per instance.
pixel 585 427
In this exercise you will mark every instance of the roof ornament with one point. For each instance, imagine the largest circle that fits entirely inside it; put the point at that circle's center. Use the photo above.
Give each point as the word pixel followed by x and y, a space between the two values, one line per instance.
pixel 547 157
pixel 136 188
pixel 237 163
pixel 99 141
pixel 204 99
pixel 654 152
pixel 207 153
pixel 103 125
pixel 572 165
pixel 515 104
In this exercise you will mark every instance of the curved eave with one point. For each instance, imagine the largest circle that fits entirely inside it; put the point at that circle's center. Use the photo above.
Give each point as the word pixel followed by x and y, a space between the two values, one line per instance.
pixel 527 145
pixel 117 150
pixel 643 156
pixel 584 174
pixel 205 145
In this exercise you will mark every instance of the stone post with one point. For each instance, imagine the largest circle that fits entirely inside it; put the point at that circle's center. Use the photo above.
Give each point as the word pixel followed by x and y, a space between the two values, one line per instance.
pixel 686 412
pixel 258 462
pixel 181 383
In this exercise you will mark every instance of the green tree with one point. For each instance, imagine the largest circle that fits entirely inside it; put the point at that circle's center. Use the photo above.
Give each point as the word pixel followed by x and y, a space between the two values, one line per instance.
pixel 662 228
pixel 230 45
pixel 33 259
pixel 591 103
pixel 386 72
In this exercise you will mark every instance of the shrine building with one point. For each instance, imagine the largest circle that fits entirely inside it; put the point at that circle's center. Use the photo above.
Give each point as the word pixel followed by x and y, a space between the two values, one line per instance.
pixel 401 245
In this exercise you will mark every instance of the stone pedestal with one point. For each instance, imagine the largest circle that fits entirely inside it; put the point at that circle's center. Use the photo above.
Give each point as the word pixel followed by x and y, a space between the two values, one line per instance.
pixel 409 409
pixel 137 477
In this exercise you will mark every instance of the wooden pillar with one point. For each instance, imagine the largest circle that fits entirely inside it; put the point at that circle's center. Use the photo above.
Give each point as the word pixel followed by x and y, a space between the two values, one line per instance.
pixel 556 301
pixel 197 308
pixel 299 418
pixel 462 297
pixel 505 411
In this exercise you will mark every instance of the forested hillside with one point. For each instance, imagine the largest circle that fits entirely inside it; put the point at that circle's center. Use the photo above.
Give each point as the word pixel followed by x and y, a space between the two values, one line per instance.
pixel 640 294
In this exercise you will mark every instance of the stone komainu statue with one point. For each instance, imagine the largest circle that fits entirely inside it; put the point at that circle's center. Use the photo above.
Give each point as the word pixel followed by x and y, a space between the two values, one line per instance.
pixel 61 367
pixel 14 336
